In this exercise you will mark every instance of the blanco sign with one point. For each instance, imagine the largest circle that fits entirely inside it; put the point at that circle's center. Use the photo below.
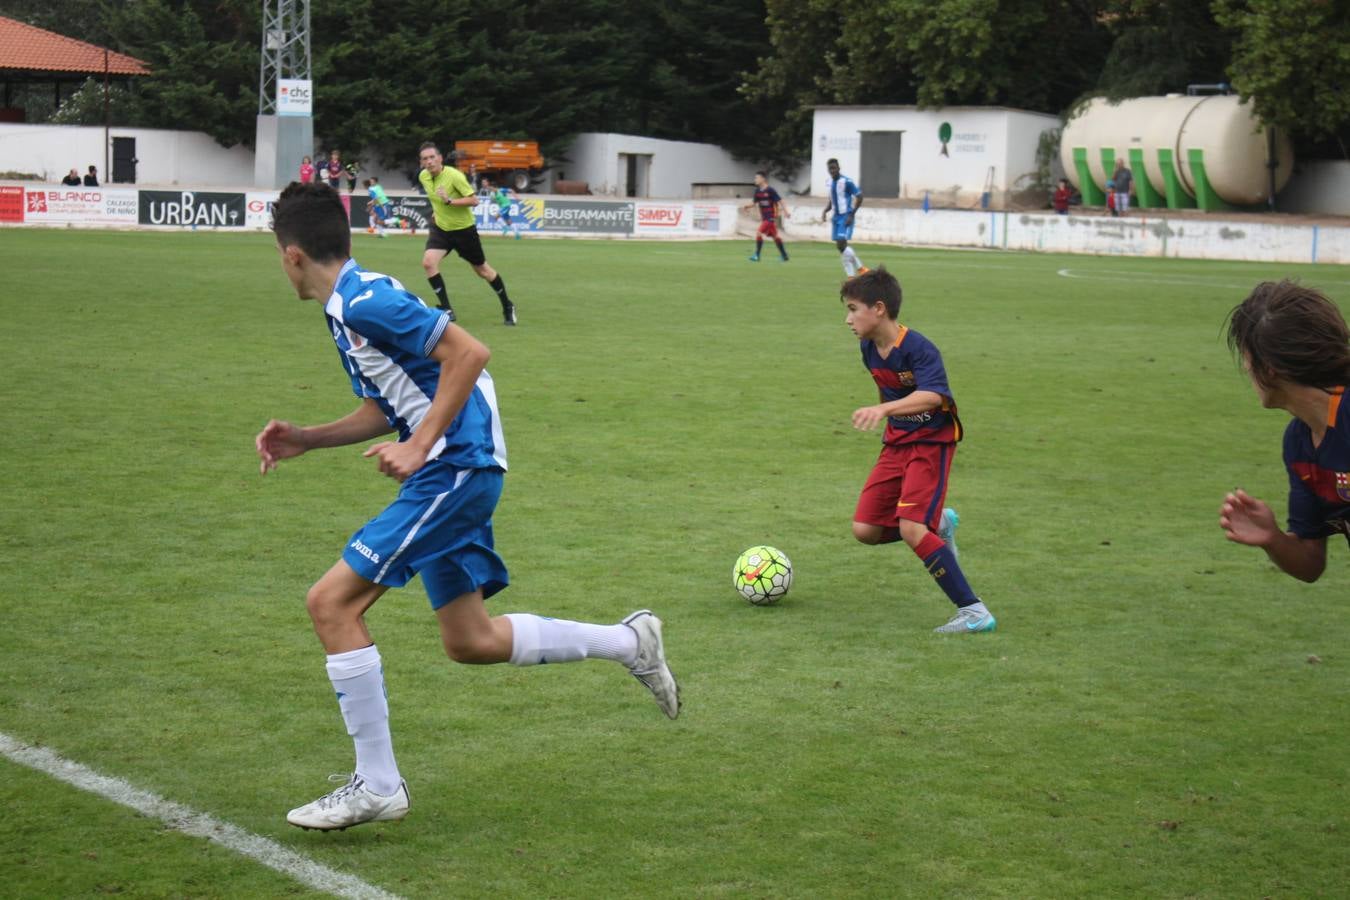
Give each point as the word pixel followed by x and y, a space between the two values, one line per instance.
pixel 295 97
pixel 80 206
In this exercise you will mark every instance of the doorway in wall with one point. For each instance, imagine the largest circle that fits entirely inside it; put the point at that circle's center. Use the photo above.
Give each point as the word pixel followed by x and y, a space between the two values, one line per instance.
pixel 879 165
pixel 635 174
pixel 124 160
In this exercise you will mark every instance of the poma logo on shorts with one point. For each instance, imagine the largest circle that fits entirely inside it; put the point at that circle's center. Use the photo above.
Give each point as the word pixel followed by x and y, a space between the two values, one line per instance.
pixel 365 551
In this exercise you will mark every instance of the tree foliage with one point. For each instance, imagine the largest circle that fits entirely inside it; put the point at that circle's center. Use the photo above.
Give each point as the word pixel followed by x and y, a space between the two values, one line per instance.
pixel 1293 58
pixel 745 74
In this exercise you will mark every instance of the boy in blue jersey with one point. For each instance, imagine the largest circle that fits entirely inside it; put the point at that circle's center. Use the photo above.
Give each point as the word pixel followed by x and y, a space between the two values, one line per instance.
pixel 420 376
pixel 1294 345
pixel 500 196
pixel 377 207
pixel 902 499
pixel 845 201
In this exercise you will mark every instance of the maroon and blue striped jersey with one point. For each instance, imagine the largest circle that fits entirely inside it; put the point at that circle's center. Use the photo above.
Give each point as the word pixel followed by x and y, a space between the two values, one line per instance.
pixel 767 199
pixel 1319 477
pixel 913 363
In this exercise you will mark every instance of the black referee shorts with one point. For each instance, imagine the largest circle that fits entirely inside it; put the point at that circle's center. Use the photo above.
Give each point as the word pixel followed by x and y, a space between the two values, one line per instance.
pixel 463 241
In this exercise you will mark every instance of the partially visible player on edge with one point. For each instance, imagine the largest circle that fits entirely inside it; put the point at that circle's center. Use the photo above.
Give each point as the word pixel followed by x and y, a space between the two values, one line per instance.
pixel 501 197
pixel 845 200
pixel 1294 345
pixel 420 376
pixel 903 495
pixel 378 207
pixel 772 210
pixel 452 228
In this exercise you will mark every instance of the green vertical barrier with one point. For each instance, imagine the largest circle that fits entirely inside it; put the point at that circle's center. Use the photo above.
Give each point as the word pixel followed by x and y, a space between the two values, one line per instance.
pixel 1092 195
pixel 1205 198
pixel 1177 198
pixel 1145 197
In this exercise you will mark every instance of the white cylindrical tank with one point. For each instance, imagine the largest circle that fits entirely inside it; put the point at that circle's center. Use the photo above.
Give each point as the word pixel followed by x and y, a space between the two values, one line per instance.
pixel 1236 147
pixel 1234 143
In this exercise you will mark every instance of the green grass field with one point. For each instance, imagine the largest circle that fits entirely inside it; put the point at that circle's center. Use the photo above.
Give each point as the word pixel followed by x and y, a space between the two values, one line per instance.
pixel 1160 714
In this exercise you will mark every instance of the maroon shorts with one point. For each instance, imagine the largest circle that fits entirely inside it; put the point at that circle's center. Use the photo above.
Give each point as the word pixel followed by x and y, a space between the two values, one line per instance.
pixel 909 481
pixel 769 229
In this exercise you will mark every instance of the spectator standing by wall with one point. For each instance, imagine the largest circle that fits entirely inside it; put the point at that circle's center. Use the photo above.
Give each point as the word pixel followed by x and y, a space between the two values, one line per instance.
pixel 1123 179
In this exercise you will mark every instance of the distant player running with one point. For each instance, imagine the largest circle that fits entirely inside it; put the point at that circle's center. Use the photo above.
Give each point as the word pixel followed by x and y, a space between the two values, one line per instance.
pixel 845 201
pixel 1294 345
pixel 903 497
pixel 772 210
pixel 501 197
pixel 421 380
pixel 377 207
pixel 452 228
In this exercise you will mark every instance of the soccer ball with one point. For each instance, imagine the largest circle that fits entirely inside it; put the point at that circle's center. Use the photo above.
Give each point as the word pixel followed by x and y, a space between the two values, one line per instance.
pixel 762 575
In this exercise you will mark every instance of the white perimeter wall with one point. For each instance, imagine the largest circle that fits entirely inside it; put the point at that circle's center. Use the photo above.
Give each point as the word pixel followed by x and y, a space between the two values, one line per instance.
pixel 165 157
pixel 1098 235
pixel 982 137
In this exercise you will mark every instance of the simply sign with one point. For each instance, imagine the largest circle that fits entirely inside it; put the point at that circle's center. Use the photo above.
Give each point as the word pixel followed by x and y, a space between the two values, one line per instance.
pixel 295 97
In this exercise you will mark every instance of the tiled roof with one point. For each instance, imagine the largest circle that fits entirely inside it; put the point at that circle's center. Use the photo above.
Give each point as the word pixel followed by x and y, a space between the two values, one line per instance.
pixel 29 49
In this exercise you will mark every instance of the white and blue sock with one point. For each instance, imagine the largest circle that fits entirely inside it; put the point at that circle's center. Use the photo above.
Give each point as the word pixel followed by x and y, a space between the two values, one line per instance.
pixel 358 679
pixel 537 639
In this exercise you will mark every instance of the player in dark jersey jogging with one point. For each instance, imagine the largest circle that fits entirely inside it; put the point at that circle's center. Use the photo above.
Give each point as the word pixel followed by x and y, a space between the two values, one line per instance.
pixel 903 496
pixel 772 210
pixel 1294 345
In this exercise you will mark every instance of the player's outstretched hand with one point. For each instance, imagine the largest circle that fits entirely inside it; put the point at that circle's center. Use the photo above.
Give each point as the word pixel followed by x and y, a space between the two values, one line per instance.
pixel 277 441
pixel 1246 520
pixel 865 418
pixel 397 460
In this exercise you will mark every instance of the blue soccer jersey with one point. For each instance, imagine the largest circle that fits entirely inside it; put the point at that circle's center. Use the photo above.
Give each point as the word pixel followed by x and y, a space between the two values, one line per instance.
pixel 1319 477
pixel 384 335
pixel 842 192
pixel 913 363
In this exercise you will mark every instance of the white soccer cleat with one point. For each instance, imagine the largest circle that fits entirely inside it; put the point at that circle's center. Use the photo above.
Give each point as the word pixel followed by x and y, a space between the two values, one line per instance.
pixel 651 668
pixel 968 621
pixel 351 804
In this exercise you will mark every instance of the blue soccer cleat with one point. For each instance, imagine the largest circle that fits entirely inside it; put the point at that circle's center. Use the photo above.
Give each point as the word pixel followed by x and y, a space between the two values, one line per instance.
pixel 947 528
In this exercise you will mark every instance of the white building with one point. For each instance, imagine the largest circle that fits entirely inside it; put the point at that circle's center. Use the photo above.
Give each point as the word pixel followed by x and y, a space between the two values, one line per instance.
pixel 959 155
pixel 625 165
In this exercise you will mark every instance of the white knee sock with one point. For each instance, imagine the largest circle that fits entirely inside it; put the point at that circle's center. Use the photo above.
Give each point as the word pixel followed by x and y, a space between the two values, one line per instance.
pixel 358 679
pixel 537 639
pixel 851 262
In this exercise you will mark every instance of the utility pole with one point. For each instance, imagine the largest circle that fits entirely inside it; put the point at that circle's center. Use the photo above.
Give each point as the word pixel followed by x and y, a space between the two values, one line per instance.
pixel 285 93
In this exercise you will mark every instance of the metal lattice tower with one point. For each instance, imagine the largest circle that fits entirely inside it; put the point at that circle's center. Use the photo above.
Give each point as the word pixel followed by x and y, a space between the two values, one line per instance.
pixel 285 48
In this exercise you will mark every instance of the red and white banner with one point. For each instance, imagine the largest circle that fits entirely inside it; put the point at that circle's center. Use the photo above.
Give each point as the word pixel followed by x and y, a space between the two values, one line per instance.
pixel 11 203
pixel 258 213
pixel 79 206
pixel 665 218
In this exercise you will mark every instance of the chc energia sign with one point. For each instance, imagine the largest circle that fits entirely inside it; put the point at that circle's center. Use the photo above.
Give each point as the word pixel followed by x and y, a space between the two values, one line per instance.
pixel 295 97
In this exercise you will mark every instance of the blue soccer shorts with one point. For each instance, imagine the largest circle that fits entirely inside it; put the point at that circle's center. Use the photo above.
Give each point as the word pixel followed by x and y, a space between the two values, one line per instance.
pixel 439 526
pixel 842 231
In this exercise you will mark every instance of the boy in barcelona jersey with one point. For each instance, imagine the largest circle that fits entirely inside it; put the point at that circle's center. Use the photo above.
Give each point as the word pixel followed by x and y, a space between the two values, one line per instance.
pixel 1294 345
pixel 903 496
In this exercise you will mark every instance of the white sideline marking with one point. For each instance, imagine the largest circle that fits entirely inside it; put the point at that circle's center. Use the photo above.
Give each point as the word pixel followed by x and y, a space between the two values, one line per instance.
pixel 1188 281
pixel 1176 278
pixel 190 822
